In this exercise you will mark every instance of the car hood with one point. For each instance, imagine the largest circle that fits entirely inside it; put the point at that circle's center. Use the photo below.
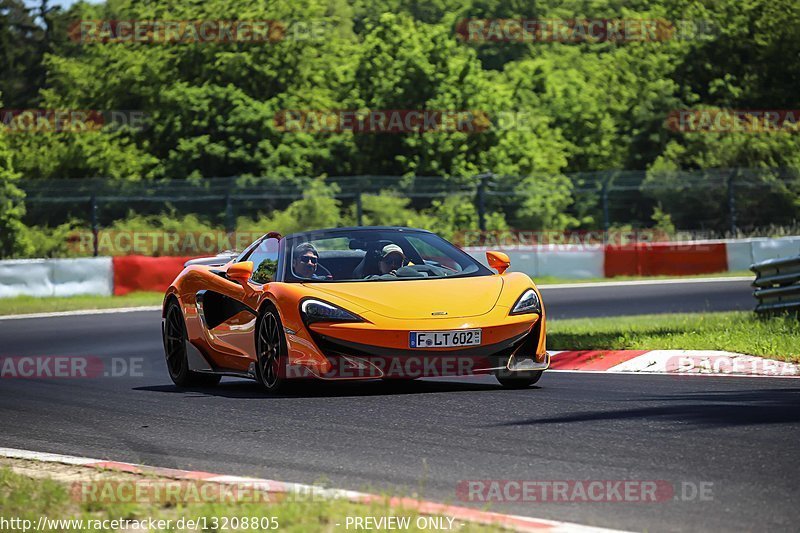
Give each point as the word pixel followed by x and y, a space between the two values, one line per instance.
pixel 417 299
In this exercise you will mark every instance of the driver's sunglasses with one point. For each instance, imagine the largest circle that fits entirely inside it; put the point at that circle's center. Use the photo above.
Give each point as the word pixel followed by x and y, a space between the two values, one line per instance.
pixel 308 259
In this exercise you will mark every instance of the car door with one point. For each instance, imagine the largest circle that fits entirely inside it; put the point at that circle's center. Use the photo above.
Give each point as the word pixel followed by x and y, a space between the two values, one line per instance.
pixel 228 309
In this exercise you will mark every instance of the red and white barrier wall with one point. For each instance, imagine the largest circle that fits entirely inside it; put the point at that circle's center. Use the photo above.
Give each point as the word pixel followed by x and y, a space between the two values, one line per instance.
pixel 124 274
pixel 140 273
pixel 643 259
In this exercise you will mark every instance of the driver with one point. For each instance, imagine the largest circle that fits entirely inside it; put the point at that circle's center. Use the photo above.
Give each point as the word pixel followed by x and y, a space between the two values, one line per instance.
pixel 304 261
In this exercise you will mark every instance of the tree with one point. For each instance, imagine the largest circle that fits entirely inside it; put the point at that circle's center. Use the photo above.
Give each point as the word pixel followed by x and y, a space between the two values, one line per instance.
pixel 12 208
pixel 22 45
pixel 692 179
pixel 388 209
pixel 317 209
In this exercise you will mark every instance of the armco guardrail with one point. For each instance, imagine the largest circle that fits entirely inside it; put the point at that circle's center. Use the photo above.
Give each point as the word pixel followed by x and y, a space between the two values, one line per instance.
pixel 777 285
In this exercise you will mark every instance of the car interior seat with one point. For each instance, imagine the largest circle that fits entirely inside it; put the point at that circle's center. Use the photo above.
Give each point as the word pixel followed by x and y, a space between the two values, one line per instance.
pixel 369 264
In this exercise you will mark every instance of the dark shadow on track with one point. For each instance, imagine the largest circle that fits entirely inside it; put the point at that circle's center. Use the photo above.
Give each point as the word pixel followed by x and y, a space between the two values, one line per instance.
pixel 715 409
pixel 322 389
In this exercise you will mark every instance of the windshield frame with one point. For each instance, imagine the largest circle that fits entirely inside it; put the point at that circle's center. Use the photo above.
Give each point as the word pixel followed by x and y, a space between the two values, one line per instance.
pixel 289 242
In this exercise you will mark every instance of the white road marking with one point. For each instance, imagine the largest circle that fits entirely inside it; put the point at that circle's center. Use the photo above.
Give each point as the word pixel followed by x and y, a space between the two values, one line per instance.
pixel 45 457
pixel 672 375
pixel 670 281
pixel 81 312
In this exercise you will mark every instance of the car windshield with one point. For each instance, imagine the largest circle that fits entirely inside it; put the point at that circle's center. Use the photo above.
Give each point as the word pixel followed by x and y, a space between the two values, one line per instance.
pixel 375 255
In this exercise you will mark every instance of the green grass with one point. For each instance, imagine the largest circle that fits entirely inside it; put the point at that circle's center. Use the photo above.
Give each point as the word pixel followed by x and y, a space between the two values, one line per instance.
pixel 549 280
pixel 740 331
pixel 29 498
pixel 29 304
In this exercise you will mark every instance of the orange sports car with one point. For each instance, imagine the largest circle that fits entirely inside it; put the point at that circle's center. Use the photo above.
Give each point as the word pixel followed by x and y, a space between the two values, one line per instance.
pixel 352 303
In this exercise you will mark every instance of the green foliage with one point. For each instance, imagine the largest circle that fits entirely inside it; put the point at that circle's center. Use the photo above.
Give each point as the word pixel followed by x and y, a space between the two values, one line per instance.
pixel 12 208
pixel 456 213
pixel 387 209
pixel 778 189
pixel 73 155
pixel 22 45
pixel 663 221
pixel 44 241
pixel 543 110
pixel 145 235
pixel 317 209
pixel 168 221
pixel 545 203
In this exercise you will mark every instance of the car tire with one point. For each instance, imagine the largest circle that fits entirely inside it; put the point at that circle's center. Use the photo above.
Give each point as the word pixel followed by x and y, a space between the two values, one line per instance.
pixel 518 380
pixel 271 351
pixel 175 339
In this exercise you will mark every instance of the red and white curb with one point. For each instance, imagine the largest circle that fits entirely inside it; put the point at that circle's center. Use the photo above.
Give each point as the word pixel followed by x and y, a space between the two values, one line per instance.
pixel 463 514
pixel 672 362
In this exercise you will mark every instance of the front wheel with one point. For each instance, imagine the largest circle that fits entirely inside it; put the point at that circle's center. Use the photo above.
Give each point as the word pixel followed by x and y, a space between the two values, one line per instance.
pixel 271 352
pixel 175 351
pixel 518 380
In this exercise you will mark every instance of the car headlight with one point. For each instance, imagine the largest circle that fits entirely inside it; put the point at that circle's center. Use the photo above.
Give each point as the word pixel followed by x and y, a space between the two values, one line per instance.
pixel 319 311
pixel 527 303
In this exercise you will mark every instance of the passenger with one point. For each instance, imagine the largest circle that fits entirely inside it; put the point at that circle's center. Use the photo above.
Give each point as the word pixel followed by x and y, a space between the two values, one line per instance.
pixel 305 260
pixel 392 258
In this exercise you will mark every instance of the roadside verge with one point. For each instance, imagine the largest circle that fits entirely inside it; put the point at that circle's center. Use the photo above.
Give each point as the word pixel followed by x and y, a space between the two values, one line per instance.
pixel 81 471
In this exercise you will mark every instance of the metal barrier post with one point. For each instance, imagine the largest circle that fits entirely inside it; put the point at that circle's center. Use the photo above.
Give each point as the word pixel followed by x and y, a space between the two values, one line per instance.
pixel 732 202
pixel 95 225
pixel 481 197
pixel 230 221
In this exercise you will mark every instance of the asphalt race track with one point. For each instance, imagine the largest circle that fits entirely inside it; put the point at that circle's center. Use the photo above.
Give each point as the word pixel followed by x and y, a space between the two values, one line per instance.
pixel 424 437
pixel 638 298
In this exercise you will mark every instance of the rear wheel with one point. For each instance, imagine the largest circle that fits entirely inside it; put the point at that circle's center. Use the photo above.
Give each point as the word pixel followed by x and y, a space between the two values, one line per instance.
pixel 271 352
pixel 176 354
pixel 518 380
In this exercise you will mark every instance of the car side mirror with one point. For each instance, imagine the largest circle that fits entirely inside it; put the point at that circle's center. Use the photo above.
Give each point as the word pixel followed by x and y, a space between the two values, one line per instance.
pixel 241 272
pixel 498 261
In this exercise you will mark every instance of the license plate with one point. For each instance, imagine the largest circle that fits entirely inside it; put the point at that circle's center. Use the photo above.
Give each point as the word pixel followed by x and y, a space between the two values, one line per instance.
pixel 444 339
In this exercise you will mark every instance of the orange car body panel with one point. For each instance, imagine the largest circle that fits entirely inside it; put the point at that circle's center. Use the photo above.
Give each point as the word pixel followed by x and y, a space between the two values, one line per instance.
pixel 389 309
